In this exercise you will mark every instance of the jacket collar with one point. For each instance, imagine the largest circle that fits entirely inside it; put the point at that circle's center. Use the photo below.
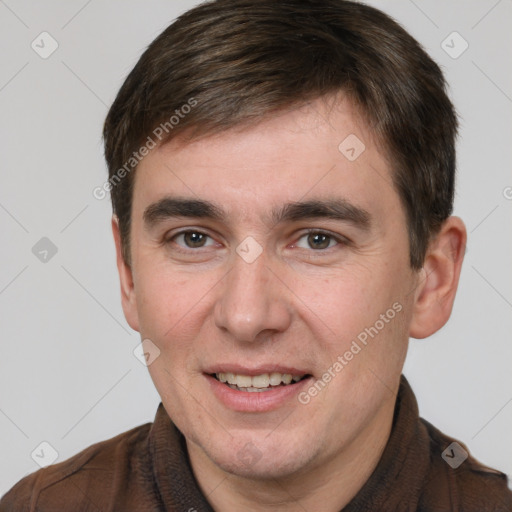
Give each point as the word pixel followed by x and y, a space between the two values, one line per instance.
pixel 393 485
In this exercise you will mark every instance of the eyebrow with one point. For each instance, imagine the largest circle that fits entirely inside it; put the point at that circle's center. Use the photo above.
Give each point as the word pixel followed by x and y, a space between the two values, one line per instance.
pixel 171 207
pixel 336 209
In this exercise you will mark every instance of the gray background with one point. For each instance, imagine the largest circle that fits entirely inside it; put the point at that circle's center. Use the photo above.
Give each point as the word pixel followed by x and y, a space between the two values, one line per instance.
pixel 68 375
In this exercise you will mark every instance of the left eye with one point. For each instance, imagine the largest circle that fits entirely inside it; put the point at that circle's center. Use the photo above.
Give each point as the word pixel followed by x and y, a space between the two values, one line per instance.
pixel 316 240
pixel 193 239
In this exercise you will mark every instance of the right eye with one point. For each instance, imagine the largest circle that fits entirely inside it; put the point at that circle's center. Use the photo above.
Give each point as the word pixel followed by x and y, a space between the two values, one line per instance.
pixel 192 239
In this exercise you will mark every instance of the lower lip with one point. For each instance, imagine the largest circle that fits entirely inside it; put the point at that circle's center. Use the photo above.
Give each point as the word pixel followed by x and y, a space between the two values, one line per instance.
pixel 258 401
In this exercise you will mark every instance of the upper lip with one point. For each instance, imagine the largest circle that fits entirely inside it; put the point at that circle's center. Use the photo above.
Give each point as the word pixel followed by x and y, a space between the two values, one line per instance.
pixel 254 370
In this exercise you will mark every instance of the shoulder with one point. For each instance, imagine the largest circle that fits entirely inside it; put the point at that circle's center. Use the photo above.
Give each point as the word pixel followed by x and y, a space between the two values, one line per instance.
pixel 459 479
pixel 85 480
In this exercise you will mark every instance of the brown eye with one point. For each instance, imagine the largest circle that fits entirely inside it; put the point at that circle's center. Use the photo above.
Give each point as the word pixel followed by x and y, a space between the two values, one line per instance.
pixel 319 240
pixel 192 240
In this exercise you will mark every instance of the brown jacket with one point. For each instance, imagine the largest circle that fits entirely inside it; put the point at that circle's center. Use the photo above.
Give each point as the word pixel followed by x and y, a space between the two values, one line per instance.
pixel 147 469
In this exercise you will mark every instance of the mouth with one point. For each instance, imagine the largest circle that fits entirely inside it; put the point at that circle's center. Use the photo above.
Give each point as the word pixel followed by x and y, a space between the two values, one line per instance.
pixel 258 383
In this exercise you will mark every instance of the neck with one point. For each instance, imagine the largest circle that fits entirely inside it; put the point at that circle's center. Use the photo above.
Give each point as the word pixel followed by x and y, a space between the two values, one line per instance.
pixel 326 486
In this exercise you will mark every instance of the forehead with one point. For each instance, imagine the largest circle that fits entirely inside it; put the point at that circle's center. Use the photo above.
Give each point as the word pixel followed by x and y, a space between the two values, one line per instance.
pixel 321 149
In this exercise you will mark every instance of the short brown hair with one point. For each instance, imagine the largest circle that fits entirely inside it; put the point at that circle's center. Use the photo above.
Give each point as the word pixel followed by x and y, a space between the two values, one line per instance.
pixel 237 61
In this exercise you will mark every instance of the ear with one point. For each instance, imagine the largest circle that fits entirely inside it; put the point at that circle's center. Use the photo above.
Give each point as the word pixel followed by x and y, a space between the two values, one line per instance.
pixel 128 298
pixel 438 279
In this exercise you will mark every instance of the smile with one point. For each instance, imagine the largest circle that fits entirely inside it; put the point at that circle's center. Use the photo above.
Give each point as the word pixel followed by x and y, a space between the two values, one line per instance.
pixel 257 383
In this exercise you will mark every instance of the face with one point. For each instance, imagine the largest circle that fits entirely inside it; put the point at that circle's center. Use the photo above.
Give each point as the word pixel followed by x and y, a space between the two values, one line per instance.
pixel 276 259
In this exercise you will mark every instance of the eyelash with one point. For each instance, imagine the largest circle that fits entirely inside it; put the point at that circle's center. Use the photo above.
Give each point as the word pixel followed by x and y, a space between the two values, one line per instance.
pixel 340 241
pixel 181 248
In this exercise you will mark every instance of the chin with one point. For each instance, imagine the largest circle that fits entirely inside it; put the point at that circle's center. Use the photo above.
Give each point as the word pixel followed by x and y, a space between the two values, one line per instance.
pixel 267 469
pixel 270 461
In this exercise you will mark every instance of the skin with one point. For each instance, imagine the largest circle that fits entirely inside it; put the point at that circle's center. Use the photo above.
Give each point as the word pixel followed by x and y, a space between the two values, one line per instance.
pixel 294 305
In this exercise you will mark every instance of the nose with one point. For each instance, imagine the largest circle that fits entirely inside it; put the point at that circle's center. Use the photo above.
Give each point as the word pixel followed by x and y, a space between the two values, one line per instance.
pixel 252 303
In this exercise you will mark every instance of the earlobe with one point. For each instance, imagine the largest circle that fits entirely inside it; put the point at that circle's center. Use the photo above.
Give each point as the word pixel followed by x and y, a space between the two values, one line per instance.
pixel 128 297
pixel 438 279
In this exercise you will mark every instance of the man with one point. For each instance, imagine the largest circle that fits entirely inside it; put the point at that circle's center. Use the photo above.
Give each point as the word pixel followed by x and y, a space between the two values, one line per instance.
pixel 282 178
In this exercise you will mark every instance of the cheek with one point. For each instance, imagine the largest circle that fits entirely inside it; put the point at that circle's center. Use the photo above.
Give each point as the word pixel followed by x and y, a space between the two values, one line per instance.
pixel 338 302
pixel 357 303
pixel 172 307
pixel 167 301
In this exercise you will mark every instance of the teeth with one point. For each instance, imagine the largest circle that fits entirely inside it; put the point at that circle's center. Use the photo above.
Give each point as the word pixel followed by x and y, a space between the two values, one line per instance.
pixel 250 389
pixel 261 381
pixel 287 378
pixel 275 379
pixel 243 381
pixel 258 382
